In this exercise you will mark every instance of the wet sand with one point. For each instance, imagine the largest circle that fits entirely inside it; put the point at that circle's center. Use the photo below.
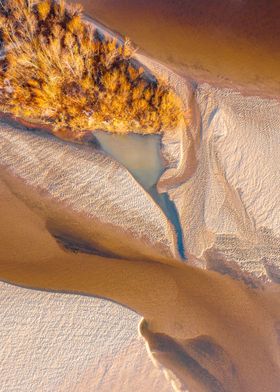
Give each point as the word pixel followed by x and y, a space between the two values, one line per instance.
pixel 88 186
pixel 206 329
pixel 230 43
pixel 81 228
pixel 210 332
pixel 179 303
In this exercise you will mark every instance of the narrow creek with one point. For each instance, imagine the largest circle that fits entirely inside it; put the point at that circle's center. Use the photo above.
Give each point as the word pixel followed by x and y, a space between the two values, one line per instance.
pixel 141 155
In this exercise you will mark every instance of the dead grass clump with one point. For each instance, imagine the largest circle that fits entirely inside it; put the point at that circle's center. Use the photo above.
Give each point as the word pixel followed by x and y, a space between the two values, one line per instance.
pixel 57 70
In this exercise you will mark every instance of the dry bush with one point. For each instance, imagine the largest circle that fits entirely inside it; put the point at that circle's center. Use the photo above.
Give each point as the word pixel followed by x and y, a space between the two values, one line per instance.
pixel 57 70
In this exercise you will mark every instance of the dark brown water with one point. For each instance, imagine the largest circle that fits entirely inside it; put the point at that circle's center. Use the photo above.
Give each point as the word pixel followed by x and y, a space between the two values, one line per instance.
pixel 227 42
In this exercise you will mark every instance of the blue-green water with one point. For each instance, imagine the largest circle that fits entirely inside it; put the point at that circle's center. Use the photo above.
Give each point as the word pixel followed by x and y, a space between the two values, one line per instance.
pixel 140 154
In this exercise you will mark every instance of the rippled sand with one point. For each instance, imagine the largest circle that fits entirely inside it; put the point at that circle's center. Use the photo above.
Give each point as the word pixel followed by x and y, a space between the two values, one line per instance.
pixel 61 342
pixel 93 229
pixel 204 328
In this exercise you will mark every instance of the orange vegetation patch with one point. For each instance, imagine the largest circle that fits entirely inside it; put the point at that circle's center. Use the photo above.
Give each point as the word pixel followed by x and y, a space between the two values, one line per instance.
pixel 57 70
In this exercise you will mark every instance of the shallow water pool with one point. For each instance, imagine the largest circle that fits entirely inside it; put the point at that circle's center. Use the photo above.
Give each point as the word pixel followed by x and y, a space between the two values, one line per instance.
pixel 141 155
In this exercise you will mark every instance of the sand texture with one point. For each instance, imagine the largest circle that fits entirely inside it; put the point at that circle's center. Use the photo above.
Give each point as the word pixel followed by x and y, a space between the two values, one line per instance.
pixel 88 184
pixel 60 343
pixel 224 177
pixel 110 353
pixel 206 329
pixel 93 230
pixel 234 218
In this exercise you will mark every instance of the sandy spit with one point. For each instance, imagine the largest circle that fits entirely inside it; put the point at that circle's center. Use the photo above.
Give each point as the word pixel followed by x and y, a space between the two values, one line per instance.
pixel 57 196
pixel 208 330
pixel 224 177
pixel 87 186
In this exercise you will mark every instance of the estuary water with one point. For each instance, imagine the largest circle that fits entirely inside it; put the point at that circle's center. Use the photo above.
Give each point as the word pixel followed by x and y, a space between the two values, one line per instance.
pixel 141 155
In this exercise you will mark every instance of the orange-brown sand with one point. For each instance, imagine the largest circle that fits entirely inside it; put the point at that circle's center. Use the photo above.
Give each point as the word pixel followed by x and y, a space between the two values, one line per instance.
pixel 212 333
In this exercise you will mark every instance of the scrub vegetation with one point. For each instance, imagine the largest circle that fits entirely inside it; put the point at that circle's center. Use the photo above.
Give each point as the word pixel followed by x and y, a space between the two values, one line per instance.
pixel 59 71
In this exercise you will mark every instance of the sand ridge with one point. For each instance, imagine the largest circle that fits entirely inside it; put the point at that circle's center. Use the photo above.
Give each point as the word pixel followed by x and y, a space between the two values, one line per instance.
pixel 227 199
pixel 88 173
pixel 211 332
pixel 178 302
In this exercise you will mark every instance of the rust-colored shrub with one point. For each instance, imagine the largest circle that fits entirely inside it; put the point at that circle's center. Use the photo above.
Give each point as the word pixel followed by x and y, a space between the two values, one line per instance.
pixel 57 70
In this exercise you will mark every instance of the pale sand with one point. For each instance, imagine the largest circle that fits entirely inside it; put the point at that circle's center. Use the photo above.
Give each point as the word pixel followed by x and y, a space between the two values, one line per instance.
pixel 88 186
pixel 237 206
pixel 228 157
pixel 67 343
pixel 84 219
pixel 211 332
pixel 178 302
pixel 117 232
